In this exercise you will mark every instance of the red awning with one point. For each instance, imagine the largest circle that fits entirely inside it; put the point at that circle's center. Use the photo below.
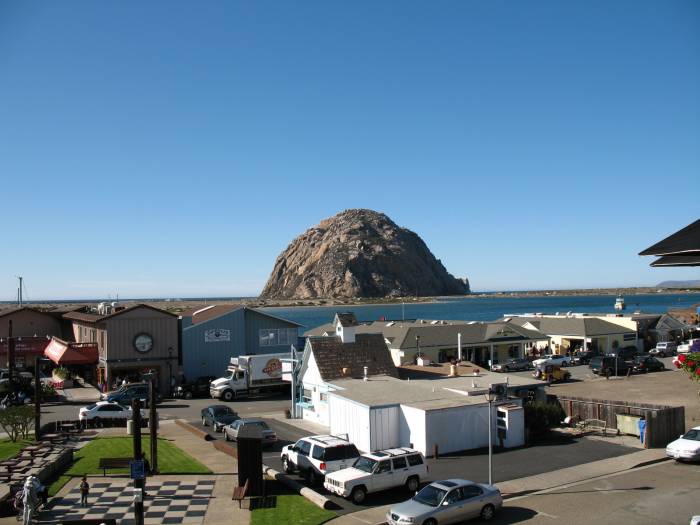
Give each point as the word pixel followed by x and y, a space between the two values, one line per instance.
pixel 63 353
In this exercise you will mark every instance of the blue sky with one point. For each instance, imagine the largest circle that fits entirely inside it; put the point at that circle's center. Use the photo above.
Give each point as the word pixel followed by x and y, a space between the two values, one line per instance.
pixel 175 148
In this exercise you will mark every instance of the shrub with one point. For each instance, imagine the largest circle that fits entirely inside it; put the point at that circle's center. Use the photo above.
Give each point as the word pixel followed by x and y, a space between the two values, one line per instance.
pixel 540 417
pixel 61 373
pixel 17 421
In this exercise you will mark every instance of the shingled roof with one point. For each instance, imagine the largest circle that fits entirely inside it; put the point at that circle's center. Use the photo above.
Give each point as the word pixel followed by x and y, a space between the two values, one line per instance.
pixel 368 350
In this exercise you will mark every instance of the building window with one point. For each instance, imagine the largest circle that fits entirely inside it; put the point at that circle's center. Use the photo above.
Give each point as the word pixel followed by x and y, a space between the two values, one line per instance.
pixel 323 397
pixel 277 336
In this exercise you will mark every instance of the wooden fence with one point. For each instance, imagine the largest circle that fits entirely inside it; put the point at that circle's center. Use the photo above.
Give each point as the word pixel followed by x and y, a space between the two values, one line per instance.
pixel 663 423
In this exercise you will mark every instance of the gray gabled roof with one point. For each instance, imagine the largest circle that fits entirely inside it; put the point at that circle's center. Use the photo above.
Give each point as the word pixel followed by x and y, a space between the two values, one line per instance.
pixel 402 334
pixel 574 326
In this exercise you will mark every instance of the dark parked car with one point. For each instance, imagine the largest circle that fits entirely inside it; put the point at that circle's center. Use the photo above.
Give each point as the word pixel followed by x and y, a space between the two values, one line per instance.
pixel 218 416
pixel 628 353
pixel 197 388
pixel 583 358
pixel 609 365
pixel 126 394
pixel 512 365
pixel 647 363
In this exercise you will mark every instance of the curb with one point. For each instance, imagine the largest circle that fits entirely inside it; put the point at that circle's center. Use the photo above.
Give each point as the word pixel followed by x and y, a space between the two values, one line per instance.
pixel 199 433
pixel 310 494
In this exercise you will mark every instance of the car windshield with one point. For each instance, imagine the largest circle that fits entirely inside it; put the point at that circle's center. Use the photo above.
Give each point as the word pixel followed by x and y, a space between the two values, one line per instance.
pixel 227 418
pixel 692 434
pixel 365 464
pixel 90 407
pixel 220 411
pixel 430 495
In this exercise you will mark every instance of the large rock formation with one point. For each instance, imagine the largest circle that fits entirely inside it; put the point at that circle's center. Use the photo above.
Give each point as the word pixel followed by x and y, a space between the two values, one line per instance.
pixel 359 253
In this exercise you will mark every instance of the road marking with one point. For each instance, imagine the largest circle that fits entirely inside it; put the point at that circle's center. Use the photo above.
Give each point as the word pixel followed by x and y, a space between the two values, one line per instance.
pixel 540 513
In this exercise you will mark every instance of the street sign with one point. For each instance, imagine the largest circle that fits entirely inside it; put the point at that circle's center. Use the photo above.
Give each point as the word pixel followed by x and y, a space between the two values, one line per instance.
pixel 138 469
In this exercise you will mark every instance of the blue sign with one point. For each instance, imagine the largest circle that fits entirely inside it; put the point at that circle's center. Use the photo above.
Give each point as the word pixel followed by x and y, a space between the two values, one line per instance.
pixel 138 469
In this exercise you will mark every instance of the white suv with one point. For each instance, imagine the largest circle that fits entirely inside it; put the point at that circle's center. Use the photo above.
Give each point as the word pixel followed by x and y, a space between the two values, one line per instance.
pixel 377 471
pixel 316 456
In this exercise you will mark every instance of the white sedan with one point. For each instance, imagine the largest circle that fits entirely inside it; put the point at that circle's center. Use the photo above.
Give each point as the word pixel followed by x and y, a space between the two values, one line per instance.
pixel 552 359
pixel 686 447
pixel 105 410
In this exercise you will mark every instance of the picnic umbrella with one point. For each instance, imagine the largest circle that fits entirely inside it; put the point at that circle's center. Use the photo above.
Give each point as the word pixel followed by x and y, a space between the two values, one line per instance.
pixel 679 249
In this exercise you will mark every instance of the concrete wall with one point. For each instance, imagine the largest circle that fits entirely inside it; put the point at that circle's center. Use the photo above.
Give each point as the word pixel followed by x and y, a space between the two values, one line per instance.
pixel 29 323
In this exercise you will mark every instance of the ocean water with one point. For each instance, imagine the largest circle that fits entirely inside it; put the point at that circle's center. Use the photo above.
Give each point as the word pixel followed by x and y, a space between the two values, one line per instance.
pixel 486 308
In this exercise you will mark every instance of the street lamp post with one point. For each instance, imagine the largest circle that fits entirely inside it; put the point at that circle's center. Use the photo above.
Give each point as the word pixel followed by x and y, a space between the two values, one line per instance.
pixel 170 369
pixel 37 397
pixel 490 397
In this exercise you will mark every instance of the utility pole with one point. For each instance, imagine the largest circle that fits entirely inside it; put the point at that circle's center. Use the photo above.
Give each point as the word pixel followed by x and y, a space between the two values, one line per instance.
pixel 10 355
pixel 20 291
pixel 153 422
pixel 139 484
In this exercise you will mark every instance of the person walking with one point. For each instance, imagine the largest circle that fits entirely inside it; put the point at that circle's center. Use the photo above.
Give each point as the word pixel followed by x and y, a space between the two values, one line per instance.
pixel 84 491
pixel 29 501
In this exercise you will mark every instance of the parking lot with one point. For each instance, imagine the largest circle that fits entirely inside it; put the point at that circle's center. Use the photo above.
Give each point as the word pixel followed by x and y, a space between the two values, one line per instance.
pixel 507 464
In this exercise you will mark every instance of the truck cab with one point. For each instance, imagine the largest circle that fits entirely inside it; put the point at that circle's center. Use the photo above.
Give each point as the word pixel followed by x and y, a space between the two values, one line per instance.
pixel 230 387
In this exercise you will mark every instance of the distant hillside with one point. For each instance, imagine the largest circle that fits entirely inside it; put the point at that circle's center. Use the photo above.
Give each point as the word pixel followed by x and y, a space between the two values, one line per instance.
pixel 679 284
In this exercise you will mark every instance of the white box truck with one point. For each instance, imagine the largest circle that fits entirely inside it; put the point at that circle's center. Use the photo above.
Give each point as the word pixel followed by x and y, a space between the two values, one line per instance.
pixel 249 374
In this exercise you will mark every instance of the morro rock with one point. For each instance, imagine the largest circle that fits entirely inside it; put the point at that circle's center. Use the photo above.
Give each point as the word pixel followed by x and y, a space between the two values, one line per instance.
pixel 359 253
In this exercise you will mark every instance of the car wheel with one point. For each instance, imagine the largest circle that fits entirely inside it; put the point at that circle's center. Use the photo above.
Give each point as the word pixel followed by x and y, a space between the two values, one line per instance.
pixel 96 421
pixel 506 369
pixel 661 354
pixel 311 477
pixel 227 396
pixel 412 483
pixel 488 512
pixel 226 436
pixel 358 495
pixel 188 395
pixel 430 522
pixel 567 377
pixel 204 422
pixel 286 465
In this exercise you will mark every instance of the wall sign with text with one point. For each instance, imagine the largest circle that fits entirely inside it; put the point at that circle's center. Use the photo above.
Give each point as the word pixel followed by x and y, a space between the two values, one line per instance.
pixel 217 335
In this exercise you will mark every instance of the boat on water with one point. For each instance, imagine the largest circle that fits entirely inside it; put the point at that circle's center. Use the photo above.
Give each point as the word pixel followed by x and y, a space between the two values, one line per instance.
pixel 620 303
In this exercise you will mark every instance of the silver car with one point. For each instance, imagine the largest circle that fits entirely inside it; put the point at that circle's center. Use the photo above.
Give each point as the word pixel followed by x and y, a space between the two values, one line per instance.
pixel 447 501
pixel 268 435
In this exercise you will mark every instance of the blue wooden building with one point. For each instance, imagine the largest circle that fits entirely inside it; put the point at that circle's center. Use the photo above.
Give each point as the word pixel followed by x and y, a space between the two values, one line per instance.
pixel 212 335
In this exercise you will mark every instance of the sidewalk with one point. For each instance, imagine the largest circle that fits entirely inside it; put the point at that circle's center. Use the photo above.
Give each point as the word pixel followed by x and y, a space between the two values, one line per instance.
pixel 524 486
pixel 86 394
pixel 203 451
pixel 302 424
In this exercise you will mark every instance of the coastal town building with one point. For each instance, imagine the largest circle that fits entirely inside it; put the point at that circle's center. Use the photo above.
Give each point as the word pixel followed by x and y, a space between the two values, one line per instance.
pixel 213 334
pixel 130 341
pixel 31 330
pixel 352 386
pixel 570 332
pixel 441 341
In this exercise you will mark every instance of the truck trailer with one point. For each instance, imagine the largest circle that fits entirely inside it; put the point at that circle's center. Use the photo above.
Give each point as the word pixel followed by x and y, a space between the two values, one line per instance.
pixel 250 374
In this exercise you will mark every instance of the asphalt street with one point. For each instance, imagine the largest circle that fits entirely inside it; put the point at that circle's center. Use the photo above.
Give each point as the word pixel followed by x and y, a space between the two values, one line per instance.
pixel 663 493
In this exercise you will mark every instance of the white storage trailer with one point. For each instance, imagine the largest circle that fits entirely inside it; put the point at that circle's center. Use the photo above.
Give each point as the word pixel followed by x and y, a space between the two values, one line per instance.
pixel 425 418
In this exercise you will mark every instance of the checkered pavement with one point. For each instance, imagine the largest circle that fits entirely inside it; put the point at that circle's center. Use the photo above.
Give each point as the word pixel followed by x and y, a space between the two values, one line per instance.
pixel 167 502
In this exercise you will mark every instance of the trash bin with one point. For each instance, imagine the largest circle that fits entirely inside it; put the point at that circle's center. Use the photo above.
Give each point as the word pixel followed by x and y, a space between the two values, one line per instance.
pixel 130 427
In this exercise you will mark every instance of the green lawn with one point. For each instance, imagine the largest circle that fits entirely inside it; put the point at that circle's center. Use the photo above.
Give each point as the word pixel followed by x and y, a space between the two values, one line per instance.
pixel 291 509
pixel 9 449
pixel 171 459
